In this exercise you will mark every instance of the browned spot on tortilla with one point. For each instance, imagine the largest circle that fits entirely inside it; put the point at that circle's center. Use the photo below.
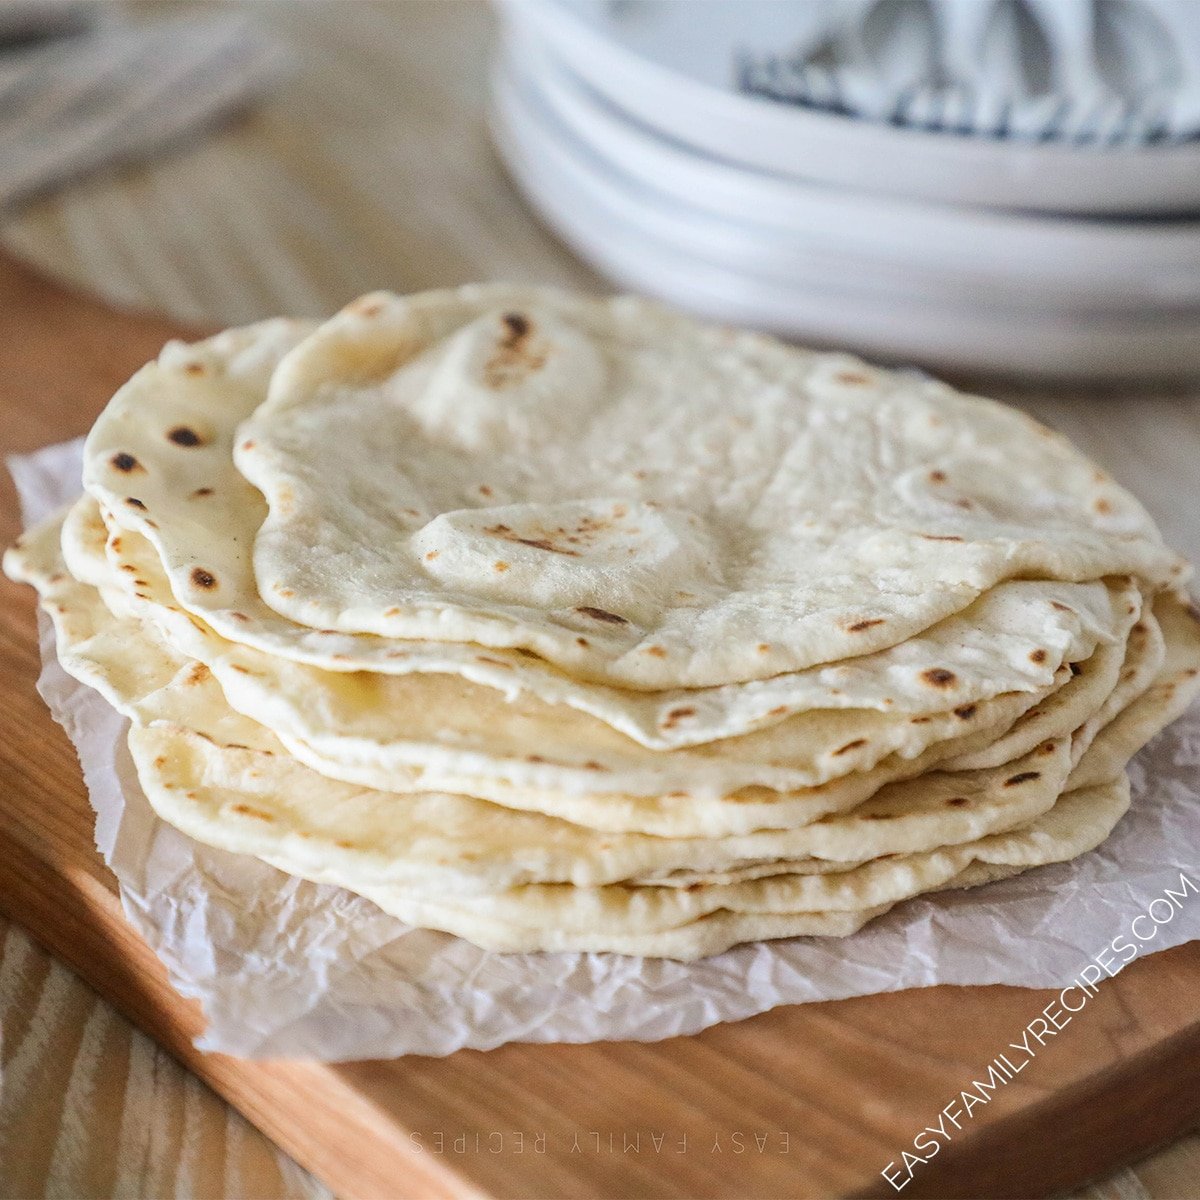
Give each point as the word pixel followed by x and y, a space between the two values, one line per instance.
pixel 1061 607
pixel 202 491
pixel 764 647
pixel 371 308
pixel 939 677
pixel 203 578
pixel 592 765
pixel 128 567
pixel 881 816
pixel 152 524
pixel 500 566
pixel 484 490
pixel 141 583
pixel 534 758
pixel 240 669
pixel 160 761
pixel 956 801
pixel 1139 628
pixel 429 557
pixel 937 476
pixel 248 444
pixel 920 720
pixel 859 626
pixel 600 614
pixel 247 811
pixel 854 745
pixel 1037 656
pixel 198 674
pixel 853 378
pixel 1023 777
pixel 493 662
pixel 778 711
pixel 194 368
pixel 963 503
pixel 965 712
pixel 115 542
pixel 239 616
pixel 582 641
pixel 655 651
pixel 544 544
pixel 517 325
pixel 1102 506
pixel 1047 748
pixel 125 462
pixel 515 356
pixel 182 435
pixel 941 537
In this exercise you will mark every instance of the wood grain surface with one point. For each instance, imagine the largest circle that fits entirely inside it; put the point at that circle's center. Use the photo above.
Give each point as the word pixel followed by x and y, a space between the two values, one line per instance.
pixel 373 169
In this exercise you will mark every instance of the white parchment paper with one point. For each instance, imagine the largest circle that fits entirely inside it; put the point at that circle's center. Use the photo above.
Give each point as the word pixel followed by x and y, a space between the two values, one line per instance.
pixel 285 968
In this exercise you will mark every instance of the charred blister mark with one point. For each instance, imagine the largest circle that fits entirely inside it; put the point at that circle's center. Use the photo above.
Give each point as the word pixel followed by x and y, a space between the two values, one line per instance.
pixel 246 810
pixel 516 356
pixel 600 614
pixel 866 623
pixel 676 715
pixel 965 712
pixel 124 462
pixel 203 578
pixel 184 435
pixel 1037 656
pixel 854 745
pixel 1022 777
pixel 939 677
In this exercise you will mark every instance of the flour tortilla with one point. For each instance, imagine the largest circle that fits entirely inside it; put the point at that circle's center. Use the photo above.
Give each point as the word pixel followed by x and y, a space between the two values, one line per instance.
pixel 201 514
pixel 439 731
pixel 647 500
pixel 100 640
pixel 1078 822
pixel 710 934
pixel 224 780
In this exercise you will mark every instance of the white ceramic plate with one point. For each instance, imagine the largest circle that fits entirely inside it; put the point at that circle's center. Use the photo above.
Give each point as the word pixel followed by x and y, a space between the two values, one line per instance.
pixel 1043 343
pixel 1076 264
pixel 596 40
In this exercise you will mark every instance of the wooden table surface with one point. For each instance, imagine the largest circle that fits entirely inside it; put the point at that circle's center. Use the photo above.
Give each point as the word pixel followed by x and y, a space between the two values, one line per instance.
pixel 370 168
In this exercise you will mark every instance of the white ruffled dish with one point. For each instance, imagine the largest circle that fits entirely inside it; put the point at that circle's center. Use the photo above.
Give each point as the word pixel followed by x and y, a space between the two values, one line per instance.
pixel 1093 318
pixel 673 97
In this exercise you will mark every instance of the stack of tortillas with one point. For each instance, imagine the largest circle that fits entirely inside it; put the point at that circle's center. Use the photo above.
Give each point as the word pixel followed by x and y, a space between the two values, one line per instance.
pixel 570 624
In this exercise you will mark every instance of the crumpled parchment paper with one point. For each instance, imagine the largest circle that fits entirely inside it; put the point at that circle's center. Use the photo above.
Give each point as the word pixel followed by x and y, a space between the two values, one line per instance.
pixel 285 968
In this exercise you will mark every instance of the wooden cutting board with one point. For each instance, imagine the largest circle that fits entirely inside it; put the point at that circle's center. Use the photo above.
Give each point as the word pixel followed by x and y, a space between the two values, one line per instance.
pixel 814 1100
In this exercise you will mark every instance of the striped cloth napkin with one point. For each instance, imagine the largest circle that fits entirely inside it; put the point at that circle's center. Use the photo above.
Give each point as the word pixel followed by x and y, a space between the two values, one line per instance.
pixel 82 88
pixel 1089 72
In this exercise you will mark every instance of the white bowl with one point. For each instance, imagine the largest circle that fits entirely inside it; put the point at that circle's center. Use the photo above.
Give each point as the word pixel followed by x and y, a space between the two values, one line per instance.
pixel 1084 265
pixel 848 152
pixel 585 208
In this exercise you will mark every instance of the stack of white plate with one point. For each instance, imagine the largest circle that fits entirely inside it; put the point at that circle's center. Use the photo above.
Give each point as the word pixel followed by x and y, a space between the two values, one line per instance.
pixel 1028 258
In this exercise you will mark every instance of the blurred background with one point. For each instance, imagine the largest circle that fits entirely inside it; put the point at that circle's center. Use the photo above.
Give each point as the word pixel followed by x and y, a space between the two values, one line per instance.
pixel 1008 189
pixel 1000 186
